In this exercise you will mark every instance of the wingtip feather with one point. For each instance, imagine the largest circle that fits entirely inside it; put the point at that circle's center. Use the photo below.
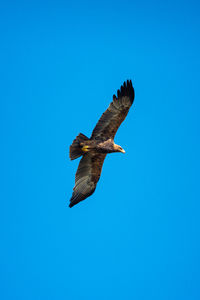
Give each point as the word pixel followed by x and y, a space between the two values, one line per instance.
pixel 126 90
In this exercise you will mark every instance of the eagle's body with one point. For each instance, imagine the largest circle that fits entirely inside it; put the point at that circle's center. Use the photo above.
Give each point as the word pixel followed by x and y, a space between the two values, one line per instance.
pixel 95 149
pixel 98 146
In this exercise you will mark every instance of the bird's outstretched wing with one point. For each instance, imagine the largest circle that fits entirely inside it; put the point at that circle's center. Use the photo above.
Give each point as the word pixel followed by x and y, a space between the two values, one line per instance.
pixel 87 176
pixel 117 111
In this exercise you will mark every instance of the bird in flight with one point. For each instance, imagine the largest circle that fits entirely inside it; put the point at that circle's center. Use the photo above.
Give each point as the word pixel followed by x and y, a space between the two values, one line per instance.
pixel 94 149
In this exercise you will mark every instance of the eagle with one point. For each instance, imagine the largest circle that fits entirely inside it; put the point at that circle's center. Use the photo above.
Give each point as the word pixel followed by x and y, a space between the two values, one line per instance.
pixel 94 149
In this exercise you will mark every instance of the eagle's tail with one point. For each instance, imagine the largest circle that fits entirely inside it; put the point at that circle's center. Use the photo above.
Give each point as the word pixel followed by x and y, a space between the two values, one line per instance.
pixel 75 149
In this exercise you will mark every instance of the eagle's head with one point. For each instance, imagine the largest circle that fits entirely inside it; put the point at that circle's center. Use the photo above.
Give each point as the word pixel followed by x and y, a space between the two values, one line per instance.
pixel 118 148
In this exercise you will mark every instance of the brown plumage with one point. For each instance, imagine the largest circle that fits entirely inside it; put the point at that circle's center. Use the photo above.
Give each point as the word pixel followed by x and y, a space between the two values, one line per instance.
pixel 95 149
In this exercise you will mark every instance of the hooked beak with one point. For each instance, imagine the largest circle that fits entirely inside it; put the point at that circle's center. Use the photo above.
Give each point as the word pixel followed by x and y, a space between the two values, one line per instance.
pixel 122 151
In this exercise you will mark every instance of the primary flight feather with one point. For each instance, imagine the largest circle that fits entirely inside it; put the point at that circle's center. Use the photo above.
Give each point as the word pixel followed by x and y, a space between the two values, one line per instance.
pixel 94 149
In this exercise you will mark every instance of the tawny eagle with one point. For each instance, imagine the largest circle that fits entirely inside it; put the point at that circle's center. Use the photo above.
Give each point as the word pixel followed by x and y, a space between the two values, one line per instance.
pixel 94 149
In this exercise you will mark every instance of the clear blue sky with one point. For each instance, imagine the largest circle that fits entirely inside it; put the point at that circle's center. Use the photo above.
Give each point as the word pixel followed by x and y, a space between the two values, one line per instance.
pixel 138 236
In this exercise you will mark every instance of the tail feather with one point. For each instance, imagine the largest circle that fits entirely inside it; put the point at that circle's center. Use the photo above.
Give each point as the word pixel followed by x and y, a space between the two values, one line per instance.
pixel 75 148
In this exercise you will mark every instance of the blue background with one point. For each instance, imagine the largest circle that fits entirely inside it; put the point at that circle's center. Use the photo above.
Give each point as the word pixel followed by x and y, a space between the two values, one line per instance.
pixel 137 237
